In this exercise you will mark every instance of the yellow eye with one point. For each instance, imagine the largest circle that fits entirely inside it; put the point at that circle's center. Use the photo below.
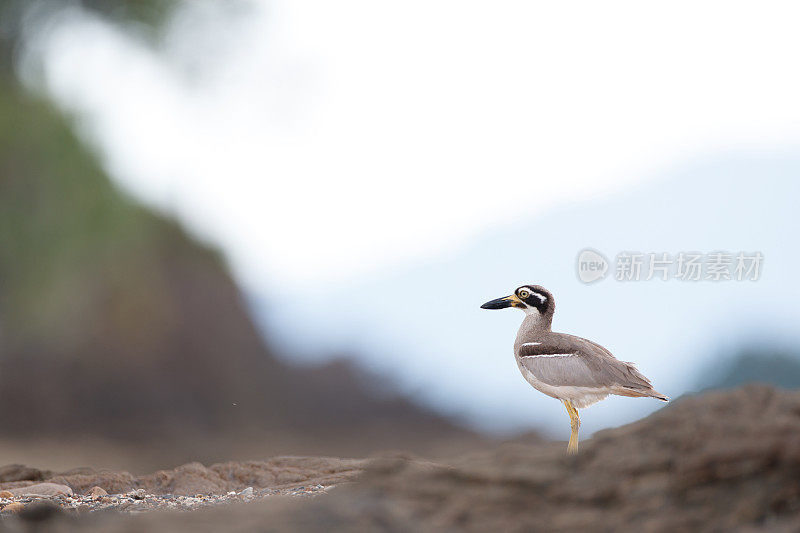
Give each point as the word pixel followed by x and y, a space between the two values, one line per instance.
pixel 524 294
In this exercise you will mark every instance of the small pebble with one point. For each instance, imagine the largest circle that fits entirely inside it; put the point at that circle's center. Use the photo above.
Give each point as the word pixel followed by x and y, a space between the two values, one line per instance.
pixel 40 510
pixel 248 492
pixel 6 494
pixel 42 489
pixel 98 492
pixel 14 507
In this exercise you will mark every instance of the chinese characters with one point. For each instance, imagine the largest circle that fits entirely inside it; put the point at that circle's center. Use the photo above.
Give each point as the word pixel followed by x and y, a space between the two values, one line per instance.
pixel 688 266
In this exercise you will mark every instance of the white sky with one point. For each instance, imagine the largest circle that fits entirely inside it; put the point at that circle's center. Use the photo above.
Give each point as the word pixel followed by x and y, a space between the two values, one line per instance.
pixel 324 140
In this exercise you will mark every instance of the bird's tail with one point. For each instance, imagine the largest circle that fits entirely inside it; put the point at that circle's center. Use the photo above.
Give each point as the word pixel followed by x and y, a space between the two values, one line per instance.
pixel 658 396
pixel 644 386
pixel 641 393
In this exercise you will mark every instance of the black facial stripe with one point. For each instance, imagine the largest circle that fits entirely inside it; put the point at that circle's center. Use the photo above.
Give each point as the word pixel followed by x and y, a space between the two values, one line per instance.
pixel 542 297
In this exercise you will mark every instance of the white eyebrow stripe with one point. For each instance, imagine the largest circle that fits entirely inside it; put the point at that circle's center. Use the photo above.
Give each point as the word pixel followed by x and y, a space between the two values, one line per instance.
pixel 550 355
pixel 530 344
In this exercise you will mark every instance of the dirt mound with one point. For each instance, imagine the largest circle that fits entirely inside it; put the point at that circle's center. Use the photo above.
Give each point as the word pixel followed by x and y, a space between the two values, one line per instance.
pixel 715 462
pixel 194 478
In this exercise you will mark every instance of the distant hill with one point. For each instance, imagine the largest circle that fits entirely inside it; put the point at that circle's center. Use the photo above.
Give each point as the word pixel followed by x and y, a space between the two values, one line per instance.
pixel 117 324
pixel 777 366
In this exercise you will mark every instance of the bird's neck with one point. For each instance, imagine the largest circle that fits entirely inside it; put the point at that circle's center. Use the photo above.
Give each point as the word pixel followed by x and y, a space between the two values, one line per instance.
pixel 534 325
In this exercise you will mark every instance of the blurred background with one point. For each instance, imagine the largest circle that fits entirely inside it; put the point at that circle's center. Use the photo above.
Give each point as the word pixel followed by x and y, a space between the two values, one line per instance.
pixel 243 228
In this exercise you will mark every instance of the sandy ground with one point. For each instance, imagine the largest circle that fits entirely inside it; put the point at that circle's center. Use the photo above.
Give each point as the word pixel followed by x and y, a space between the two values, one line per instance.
pixel 141 456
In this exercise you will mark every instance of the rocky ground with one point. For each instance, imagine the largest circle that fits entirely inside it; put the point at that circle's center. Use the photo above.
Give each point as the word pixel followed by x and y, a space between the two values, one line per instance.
pixel 193 486
pixel 721 461
pixel 51 497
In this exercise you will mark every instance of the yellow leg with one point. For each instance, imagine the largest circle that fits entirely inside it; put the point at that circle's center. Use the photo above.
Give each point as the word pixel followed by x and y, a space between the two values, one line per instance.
pixel 575 424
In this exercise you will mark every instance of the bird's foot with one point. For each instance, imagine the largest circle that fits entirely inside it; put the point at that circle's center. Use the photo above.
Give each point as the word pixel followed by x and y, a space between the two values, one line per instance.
pixel 572 447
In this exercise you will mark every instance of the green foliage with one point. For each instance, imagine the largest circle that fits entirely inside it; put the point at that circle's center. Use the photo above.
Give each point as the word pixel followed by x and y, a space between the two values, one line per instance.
pixel 68 239
pixel 151 13
pixel 148 16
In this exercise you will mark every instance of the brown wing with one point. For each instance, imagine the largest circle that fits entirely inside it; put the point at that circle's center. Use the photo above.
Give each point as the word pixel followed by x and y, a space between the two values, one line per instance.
pixel 565 360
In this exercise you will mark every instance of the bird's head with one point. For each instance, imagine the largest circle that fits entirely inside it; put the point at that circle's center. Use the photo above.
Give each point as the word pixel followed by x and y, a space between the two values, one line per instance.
pixel 533 299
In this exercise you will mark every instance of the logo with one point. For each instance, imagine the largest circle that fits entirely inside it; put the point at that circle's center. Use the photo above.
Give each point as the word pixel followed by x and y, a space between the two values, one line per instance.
pixel 592 266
